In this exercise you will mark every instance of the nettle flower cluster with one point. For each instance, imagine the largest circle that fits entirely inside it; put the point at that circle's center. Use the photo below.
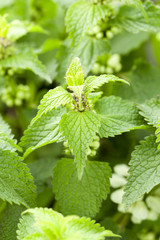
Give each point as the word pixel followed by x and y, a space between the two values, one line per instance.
pixel 108 64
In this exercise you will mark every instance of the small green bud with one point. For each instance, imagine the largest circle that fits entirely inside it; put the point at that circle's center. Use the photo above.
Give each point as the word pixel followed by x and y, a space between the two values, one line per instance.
pixel 96 68
pixel 99 35
pixel 109 70
pixel 9 102
pixel 95 145
pixel 96 29
pixel 109 34
pixel 18 102
pixel 102 69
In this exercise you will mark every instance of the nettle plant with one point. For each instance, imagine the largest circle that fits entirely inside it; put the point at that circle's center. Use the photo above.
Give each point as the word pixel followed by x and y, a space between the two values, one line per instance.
pixel 80 184
pixel 78 117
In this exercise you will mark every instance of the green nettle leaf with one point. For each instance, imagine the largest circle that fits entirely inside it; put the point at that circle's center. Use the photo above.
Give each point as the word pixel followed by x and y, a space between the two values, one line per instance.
pixel 6 137
pixel 79 128
pixel 43 224
pixel 10 219
pixel 117 116
pixel 82 16
pixel 133 20
pixel 82 197
pixel 18 29
pixel 53 99
pixel 144 171
pixel 42 171
pixel 144 83
pixel 75 75
pixel 138 4
pixel 125 42
pixel 150 110
pixel 4 128
pixel 93 82
pixel 89 49
pixel 27 61
pixel 16 183
pixel 42 131
pixel 7 143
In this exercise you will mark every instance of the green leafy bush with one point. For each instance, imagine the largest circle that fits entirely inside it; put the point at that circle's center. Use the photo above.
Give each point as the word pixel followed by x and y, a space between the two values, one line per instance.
pixel 80 120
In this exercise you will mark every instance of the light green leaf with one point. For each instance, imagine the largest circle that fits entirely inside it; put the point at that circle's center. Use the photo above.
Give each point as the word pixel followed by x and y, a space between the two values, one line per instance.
pixel 74 196
pixel 42 171
pixel 27 61
pixel 16 183
pixel 42 131
pixel 75 75
pixel 4 128
pixel 93 82
pixel 117 116
pixel 6 137
pixel 89 49
pixel 82 16
pixel 138 4
pixel 66 3
pixel 151 112
pixel 18 29
pixel 144 83
pixel 132 20
pixel 79 128
pixel 53 99
pixel 10 219
pixel 43 224
pixel 49 45
pixel 7 143
pixel 144 171
pixel 126 42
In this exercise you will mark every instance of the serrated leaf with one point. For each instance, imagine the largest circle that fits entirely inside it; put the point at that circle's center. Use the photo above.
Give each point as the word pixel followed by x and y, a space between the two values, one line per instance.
pixel 7 143
pixel 27 61
pixel 132 20
pixel 79 128
pixel 16 183
pixel 82 16
pixel 89 49
pixel 93 82
pixel 6 137
pixel 150 110
pixel 141 75
pixel 53 99
pixel 9 222
pixel 43 224
pixel 117 116
pixel 4 128
pixel 74 196
pixel 42 131
pixel 138 4
pixel 144 172
pixel 75 75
